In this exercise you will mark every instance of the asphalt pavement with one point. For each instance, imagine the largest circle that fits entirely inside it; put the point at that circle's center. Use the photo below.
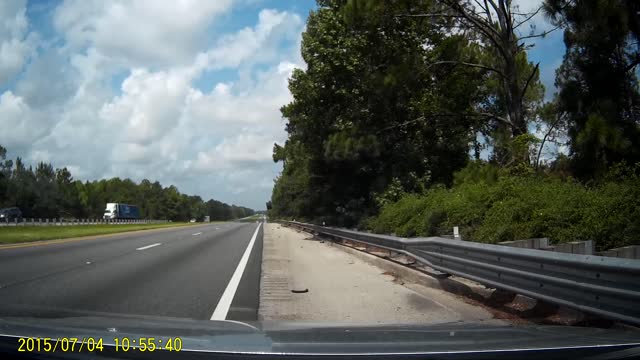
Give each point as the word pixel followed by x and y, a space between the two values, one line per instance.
pixel 177 272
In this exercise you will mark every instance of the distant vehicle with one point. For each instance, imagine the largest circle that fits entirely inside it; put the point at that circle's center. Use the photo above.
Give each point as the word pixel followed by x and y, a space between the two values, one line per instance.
pixel 192 220
pixel 121 211
pixel 10 214
pixel 207 218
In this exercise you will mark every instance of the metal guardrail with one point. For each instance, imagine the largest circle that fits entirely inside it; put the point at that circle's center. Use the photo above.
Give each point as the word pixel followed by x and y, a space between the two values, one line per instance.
pixel 609 287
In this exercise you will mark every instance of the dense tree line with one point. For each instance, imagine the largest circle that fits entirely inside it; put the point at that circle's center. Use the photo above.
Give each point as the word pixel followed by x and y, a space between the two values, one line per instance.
pixel 399 95
pixel 46 192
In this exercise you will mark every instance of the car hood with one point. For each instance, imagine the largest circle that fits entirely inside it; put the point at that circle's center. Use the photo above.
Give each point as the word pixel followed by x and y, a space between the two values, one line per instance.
pixel 262 337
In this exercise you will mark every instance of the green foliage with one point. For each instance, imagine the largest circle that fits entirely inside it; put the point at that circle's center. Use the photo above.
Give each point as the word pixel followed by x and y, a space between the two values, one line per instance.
pixel 52 193
pixel 521 207
pixel 369 109
pixel 476 172
pixel 597 81
pixel 392 102
pixel 394 192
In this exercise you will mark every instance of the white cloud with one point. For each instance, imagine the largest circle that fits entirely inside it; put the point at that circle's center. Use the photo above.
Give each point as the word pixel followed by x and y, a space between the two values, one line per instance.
pixel 230 106
pixel 15 43
pixel 150 105
pixel 48 80
pixel 140 32
pixel 242 151
pixel 154 122
pixel 258 44
pixel 20 124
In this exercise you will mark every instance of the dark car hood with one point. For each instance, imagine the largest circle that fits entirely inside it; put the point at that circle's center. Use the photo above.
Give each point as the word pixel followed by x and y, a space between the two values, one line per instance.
pixel 313 338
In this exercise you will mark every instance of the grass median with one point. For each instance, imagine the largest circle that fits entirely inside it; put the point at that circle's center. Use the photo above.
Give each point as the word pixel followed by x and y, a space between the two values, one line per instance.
pixel 19 234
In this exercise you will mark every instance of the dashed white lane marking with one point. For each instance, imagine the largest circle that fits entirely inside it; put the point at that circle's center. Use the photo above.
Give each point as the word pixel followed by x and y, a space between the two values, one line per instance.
pixel 198 233
pixel 149 246
pixel 220 313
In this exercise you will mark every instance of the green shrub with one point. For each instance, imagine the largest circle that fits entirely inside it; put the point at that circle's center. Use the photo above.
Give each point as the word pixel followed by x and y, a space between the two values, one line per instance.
pixel 497 205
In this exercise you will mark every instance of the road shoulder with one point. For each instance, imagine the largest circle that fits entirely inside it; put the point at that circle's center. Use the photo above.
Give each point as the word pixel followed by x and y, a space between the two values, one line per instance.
pixel 307 280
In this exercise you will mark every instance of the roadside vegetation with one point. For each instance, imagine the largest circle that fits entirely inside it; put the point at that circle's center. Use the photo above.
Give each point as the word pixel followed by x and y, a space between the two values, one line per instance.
pixel 414 116
pixel 19 234
pixel 502 206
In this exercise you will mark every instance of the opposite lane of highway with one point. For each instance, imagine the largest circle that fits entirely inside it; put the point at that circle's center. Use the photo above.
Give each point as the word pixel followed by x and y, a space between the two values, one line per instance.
pixel 180 272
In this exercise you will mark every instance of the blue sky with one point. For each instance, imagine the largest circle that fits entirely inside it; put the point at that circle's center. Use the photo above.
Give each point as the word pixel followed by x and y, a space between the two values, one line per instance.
pixel 187 93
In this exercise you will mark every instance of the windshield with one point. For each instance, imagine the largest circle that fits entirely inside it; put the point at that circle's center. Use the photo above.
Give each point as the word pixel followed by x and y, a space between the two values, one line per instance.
pixel 331 162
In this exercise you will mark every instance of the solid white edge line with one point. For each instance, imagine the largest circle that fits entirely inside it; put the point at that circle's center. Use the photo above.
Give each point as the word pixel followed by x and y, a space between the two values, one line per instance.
pixel 149 246
pixel 220 313
pixel 198 233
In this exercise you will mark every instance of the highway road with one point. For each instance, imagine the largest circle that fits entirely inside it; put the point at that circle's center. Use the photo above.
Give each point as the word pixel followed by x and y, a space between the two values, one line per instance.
pixel 207 271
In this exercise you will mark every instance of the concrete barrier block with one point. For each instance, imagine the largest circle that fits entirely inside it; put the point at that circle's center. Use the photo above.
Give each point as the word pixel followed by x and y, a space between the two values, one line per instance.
pixel 535 243
pixel 576 247
pixel 627 252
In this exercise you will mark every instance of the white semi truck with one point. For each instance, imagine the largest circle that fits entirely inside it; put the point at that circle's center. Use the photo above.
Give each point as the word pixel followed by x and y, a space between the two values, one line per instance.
pixel 115 211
